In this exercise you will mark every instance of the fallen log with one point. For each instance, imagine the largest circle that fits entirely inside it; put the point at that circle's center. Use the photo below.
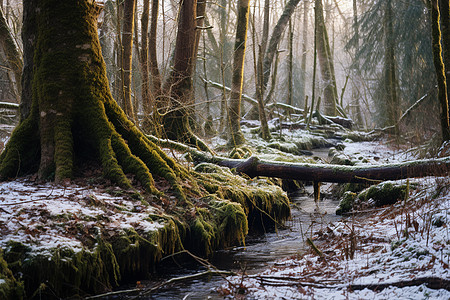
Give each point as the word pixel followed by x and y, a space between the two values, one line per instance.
pixel 340 174
pixel 253 167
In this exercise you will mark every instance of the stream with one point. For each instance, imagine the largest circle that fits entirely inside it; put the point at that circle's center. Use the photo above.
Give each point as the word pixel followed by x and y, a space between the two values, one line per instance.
pixel 261 251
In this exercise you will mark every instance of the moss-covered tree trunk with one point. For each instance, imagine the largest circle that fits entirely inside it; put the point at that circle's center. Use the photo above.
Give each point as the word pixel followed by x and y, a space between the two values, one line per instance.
pixel 127 49
pixel 440 70
pixel 73 115
pixel 234 110
pixel 10 54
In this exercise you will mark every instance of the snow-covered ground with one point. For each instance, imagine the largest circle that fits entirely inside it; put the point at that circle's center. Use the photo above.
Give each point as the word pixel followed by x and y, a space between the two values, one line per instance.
pixel 45 216
pixel 394 252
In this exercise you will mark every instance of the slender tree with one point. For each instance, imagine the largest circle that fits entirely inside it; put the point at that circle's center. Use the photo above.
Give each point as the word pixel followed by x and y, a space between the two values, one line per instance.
pixel 290 65
pixel 445 27
pixel 10 54
pixel 390 76
pixel 127 49
pixel 440 69
pixel 275 38
pixel 153 57
pixel 234 110
pixel 304 50
pixel 356 68
pixel 29 33
pixel 326 63
pixel 147 96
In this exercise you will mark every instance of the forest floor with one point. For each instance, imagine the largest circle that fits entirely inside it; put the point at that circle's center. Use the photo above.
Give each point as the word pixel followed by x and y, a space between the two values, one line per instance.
pixel 397 251
pixel 400 250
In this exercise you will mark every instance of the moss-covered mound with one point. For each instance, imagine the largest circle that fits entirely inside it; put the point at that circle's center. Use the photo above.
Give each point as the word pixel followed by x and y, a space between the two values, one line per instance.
pixel 264 203
pixel 79 241
pixel 385 193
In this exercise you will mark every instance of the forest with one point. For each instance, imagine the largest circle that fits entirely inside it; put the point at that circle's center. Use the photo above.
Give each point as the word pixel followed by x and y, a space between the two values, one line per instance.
pixel 192 149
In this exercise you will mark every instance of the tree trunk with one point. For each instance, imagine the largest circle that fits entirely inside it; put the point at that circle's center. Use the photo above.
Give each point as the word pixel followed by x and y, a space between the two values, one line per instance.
pixel 290 65
pixel 234 110
pixel 440 70
pixel 29 35
pixel 11 54
pixel 178 89
pixel 390 77
pixel 326 63
pixel 445 26
pixel 304 52
pixel 147 97
pixel 276 37
pixel 153 58
pixel 73 116
pixel 127 51
pixel 356 72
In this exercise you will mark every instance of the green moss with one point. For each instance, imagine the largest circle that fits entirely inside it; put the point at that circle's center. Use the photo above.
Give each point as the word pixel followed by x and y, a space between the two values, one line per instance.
pixel 264 203
pixel 384 193
pixel 222 224
pixel 10 287
pixel 346 203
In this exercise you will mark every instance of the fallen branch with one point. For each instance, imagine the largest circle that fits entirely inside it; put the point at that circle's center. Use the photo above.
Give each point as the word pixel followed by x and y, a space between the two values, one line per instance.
pixel 8 105
pixel 430 282
pixel 221 87
pixel 144 292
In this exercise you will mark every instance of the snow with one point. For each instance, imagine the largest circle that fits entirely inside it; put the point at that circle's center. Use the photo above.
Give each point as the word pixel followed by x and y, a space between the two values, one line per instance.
pixel 46 216
pixel 393 244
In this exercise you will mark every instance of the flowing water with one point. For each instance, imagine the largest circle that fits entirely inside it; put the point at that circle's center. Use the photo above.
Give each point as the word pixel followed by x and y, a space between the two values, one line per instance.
pixel 261 251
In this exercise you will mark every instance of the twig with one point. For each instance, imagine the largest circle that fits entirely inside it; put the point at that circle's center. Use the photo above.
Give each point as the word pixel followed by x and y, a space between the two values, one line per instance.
pixel 172 280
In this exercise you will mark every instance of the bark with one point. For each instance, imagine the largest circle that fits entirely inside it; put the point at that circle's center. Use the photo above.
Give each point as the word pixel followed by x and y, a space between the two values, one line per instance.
pixel 290 65
pixel 390 77
pixel 326 63
pixel 127 49
pixel 178 89
pixel 304 52
pixel 74 117
pixel 262 49
pixel 29 42
pixel 445 27
pixel 336 173
pixel 11 54
pixel 224 21
pixel 200 21
pixel 356 72
pixel 276 37
pixel 153 58
pixel 265 133
pixel 234 110
pixel 147 99
pixel 440 70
